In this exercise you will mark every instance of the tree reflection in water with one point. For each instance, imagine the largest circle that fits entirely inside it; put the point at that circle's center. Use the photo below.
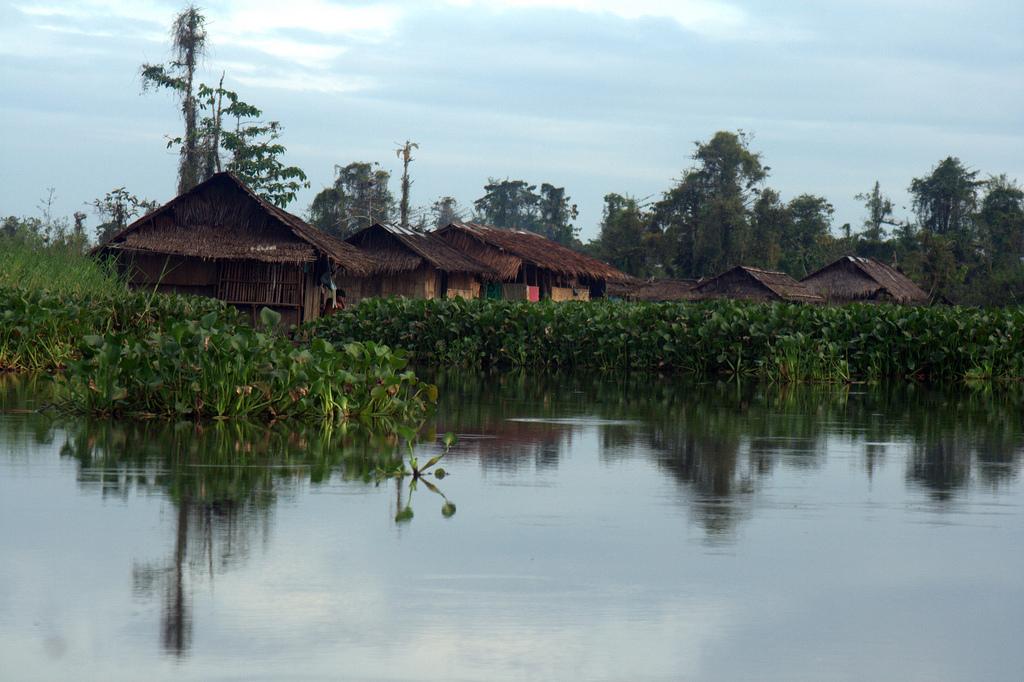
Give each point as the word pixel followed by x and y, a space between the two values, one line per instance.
pixel 719 439
pixel 224 480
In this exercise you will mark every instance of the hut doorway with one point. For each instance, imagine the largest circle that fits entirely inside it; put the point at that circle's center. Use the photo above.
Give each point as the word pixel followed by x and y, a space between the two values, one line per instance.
pixel 442 290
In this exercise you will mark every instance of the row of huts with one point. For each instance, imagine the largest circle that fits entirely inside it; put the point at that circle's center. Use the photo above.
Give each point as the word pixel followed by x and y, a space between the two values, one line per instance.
pixel 846 280
pixel 221 239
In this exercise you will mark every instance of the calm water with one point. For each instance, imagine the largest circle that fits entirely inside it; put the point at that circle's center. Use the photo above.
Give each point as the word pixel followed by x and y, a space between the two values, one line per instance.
pixel 603 532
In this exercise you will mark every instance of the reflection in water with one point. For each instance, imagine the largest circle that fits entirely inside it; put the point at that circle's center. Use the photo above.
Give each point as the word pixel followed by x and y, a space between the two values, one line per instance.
pixel 718 445
pixel 718 440
pixel 223 479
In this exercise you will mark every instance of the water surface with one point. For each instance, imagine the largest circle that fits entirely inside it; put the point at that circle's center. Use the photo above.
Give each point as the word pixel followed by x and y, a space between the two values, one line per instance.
pixel 604 530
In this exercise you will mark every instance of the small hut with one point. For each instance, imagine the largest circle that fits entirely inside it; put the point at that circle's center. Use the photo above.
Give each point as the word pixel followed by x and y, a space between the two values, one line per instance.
pixel 529 266
pixel 754 284
pixel 853 278
pixel 220 239
pixel 655 290
pixel 415 264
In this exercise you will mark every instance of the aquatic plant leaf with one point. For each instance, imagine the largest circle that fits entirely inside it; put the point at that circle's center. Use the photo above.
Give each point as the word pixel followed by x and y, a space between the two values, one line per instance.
pixel 269 317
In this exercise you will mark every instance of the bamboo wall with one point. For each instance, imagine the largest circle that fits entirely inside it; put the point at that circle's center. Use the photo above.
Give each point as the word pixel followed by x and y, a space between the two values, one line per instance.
pixel 463 285
pixel 290 289
pixel 570 293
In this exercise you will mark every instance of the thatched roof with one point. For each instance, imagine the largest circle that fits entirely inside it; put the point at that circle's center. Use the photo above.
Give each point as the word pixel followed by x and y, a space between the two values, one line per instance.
pixel 744 282
pixel 853 278
pixel 655 290
pixel 221 218
pixel 505 251
pixel 399 249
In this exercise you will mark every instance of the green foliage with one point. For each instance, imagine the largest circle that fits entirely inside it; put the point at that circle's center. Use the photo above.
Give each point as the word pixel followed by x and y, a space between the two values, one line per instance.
pixel 625 240
pixel 781 342
pixel 256 153
pixel 129 353
pixel 705 217
pixel 54 272
pixel 116 209
pixel 358 198
pixel 216 367
pixel 516 204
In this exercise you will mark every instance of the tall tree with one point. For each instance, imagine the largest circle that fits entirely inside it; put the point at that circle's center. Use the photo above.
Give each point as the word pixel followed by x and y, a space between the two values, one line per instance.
pixel 624 240
pixel 555 215
pixel 445 211
pixel 879 209
pixel 508 203
pixel 359 197
pixel 945 202
pixel 1001 220
pixel 806 242
pixel 188 44
pixel 706 214
pixel 405 154
pixel 770 221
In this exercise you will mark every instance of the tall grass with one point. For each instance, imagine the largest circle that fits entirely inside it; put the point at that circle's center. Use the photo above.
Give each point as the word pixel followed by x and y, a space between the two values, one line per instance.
pixel 59 270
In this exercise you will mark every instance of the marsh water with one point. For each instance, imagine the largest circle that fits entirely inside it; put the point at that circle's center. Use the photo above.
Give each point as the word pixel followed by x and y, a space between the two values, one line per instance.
pixel 604 530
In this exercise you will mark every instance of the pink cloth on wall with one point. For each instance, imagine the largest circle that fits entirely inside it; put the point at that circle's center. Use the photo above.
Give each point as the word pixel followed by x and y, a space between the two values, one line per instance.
pixel 533 293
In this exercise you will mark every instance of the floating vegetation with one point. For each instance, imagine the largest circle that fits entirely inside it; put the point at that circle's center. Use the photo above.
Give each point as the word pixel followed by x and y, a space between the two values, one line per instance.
pixel 217 367
pixel 41 329
pixel 772 341
pixel 150 355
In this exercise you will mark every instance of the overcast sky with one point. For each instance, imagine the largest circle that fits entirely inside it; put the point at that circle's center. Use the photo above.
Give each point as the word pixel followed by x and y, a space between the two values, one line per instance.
pixel 596 95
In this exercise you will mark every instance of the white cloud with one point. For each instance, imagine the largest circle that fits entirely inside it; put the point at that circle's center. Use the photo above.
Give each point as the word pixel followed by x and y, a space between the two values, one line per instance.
pixel 363 22
pixel 307 81
pixel 709 17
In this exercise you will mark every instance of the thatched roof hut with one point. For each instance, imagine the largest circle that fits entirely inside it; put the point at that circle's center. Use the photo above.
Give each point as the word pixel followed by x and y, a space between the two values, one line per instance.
pixel 853 278
pixel 528 259
pixel 220 239
pixel 655 290
pixel 416 264
pixel 754 284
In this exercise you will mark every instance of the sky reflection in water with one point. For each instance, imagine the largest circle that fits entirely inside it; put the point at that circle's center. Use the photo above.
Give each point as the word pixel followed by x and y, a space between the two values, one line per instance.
pixel 642 530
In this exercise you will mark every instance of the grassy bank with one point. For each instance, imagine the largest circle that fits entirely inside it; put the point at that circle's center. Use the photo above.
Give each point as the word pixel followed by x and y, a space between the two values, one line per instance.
pixel 778 342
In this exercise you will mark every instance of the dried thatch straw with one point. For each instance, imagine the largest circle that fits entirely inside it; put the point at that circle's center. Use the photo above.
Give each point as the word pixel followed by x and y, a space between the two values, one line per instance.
pixel 505 251
pixel 221 218
pixel 396 249
pixel 853 278
pixel 742 282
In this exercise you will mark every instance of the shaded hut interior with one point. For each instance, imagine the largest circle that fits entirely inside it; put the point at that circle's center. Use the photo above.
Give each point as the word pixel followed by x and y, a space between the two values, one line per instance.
pixel 754 284
pixel 529 266
pixel 854 278
pixel 415 265
pixel 220 239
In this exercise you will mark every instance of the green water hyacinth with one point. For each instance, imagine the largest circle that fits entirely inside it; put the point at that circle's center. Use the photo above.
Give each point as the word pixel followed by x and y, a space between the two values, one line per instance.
pixel 41 330
pixel 218 368
pixel 771 341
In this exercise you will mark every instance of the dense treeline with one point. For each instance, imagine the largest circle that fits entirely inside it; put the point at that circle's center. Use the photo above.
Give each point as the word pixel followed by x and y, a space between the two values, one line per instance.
pixel 965 242
pixel 780 342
